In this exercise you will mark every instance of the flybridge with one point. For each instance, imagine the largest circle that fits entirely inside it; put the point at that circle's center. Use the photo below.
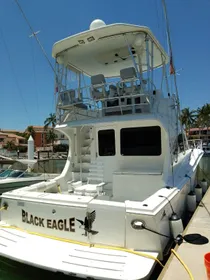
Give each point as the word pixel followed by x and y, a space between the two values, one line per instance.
pixel 113 72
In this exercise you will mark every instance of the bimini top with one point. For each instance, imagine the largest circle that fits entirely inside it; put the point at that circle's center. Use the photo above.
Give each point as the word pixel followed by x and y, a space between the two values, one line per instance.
pixel 104 48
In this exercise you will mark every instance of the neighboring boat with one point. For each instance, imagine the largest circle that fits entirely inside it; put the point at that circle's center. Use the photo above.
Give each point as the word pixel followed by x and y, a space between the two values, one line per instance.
pixel 107 216
pixel 2 171
pixel 13 179
pixel 5 173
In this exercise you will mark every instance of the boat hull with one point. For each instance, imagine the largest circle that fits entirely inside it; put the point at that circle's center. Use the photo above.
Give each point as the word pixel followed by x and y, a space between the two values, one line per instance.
pixel 73 259
pixel 51 250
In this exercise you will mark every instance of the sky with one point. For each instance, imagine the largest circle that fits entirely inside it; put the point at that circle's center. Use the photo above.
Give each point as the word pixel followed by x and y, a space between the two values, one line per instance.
pixel 27 81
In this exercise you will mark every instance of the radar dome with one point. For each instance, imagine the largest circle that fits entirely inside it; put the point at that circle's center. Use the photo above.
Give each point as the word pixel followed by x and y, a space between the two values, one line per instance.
pixel 97 23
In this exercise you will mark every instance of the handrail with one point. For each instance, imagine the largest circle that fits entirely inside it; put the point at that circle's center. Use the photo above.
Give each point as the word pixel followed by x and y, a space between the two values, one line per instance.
pixel 73 108
pixel 80 151
pixel 90 87
pixel 24 172
pixel 82 156
pixel 107 99
pixel 117 83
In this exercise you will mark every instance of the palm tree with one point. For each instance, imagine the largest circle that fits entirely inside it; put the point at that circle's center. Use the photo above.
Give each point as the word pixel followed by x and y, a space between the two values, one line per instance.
pixel 51 120
pixel 10 146
pixel 30 131
pixel 204 116
pixel 51 137
pixel 188 118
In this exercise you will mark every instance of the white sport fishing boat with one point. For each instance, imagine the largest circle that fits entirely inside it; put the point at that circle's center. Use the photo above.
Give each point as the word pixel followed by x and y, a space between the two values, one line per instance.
pixel 107 216
pixel 13 179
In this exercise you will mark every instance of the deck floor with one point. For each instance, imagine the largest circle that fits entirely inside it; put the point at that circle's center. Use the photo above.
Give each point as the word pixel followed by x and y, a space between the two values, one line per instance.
pixel 192 255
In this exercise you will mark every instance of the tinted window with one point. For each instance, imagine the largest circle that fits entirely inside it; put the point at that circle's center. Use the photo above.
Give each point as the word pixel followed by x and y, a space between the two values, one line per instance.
pixel 106 142
pixel 140 141
pixel 6 173
pixel 15 174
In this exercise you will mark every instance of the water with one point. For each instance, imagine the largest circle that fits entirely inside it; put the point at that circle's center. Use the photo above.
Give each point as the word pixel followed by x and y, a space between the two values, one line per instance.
pixel 10 270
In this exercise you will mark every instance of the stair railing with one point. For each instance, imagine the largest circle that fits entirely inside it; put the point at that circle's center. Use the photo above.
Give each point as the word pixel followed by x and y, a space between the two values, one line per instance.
pixel 82 156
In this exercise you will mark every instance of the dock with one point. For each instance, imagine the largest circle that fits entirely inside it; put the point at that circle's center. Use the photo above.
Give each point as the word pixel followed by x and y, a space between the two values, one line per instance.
pixel 191 255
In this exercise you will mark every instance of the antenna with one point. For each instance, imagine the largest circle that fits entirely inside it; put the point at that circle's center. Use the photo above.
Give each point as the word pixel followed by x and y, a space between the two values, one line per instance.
pixel 34 34
pixel 177 72
pixel 168 202
pixel 173 72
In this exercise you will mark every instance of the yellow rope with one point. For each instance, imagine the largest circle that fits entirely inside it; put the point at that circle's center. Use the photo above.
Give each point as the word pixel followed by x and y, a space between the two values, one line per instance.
pixel 100 246
pixel 59 188
pixel 87 244
pixel 184 265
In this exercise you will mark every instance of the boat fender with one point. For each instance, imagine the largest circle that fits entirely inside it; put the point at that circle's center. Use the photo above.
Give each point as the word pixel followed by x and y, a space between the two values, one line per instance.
pixel 204 185
pixel 191 201
pixel 176 225
pixel 198 193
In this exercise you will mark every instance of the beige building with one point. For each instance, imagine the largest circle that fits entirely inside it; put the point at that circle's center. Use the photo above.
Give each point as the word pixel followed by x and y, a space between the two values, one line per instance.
pixel 39 136
pixel 10 137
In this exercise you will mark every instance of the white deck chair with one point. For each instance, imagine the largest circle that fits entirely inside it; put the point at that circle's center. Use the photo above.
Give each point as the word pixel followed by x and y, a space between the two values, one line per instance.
pixel 128 77
pixel 94 185
pixel 98 86
pixel 67 97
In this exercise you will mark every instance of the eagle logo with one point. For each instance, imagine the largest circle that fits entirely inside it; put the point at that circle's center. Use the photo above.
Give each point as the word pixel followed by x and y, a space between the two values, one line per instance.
pixel 88 223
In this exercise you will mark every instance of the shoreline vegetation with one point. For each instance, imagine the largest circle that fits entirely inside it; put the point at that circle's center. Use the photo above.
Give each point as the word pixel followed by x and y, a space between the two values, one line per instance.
pixel 50 137
pixel 198 118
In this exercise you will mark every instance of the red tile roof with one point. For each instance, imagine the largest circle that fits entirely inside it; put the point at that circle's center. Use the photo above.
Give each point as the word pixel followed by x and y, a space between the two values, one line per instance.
pixel 11 135
pixel 197 128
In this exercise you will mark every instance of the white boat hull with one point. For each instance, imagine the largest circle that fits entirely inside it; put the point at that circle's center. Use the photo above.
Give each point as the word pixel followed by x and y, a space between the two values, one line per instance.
pixel 72 259
pixel 51 249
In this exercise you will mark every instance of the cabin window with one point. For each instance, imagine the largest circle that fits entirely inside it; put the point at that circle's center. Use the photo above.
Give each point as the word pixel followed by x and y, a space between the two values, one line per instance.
pixel 106 142
pixel 140 141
